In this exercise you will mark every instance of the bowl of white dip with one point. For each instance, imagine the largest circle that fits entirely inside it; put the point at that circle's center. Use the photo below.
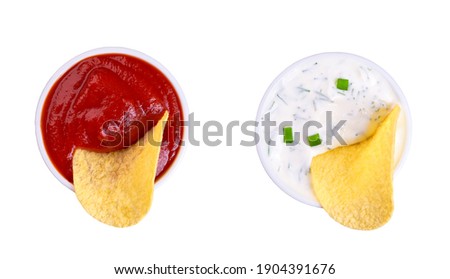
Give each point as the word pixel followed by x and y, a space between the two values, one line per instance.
pixel 307 98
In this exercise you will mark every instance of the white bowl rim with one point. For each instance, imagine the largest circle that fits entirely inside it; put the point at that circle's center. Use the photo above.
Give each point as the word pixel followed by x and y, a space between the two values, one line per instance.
pixel 108 50
pixel 399 93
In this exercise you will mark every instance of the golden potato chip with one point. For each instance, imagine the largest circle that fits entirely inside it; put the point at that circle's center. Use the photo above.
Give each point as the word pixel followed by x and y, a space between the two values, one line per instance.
pixel 354 183
pixel 116 188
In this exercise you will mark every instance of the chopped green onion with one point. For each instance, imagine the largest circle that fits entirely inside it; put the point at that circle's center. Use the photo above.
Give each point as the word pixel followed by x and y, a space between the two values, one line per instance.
pixel 342 84
pixel 314 140
pixel 288 135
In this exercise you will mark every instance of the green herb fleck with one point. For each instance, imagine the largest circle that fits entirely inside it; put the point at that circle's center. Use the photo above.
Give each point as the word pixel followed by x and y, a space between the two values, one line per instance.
pixel 342 84
pixel 314 140
pixel 288 135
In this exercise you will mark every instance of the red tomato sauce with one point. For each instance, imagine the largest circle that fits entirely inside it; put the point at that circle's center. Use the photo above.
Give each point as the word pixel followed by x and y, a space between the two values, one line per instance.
pixel 105 103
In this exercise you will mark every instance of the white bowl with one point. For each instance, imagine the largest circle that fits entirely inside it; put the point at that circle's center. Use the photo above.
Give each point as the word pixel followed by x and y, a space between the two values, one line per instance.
pixel 97 51
pixel 404 123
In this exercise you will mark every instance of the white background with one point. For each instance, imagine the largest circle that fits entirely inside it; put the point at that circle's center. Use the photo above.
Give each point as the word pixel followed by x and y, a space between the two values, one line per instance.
pixel 220 206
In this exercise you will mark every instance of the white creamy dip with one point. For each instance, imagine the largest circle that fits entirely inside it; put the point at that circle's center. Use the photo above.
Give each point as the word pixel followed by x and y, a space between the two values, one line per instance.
pixel 305 92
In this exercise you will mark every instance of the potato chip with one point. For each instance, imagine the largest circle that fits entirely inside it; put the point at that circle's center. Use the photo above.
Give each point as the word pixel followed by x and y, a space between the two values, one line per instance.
pixel 354 183
pixel 116 188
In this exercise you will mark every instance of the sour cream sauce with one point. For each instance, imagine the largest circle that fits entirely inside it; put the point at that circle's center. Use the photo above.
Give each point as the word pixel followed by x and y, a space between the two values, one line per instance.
pixel 305 92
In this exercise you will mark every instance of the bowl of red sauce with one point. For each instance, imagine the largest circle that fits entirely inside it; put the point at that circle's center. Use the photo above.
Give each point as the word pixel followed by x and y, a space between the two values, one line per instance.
pixel 104 100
